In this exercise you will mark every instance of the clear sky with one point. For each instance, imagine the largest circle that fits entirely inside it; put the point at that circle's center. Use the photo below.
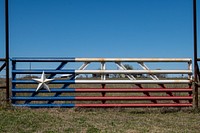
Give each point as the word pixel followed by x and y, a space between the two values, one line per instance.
pixel 99 28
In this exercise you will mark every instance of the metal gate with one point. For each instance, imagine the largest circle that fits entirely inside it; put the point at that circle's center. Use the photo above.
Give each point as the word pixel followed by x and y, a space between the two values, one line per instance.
pixel 102 82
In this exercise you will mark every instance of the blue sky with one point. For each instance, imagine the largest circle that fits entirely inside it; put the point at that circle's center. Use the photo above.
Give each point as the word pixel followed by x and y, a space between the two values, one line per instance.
pixel 99 28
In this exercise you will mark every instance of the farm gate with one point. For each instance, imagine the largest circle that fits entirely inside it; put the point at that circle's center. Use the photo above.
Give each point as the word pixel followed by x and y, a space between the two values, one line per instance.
pixel 102 82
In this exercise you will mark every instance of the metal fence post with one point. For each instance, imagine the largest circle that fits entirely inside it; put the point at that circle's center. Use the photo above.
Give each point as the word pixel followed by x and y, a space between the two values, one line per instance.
pixel 7 49
pixel 195 92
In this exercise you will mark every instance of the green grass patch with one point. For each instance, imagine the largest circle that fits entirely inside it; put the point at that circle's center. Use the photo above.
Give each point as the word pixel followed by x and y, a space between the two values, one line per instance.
pixel 91 120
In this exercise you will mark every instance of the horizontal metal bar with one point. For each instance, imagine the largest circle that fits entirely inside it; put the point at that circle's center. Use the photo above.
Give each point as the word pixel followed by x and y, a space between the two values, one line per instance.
pixel 90 98
pixel 45 105
pixel 42 98
pixel 106 82
pixel 54 90
pixel 137 105
pixel 2 59
pixel 135 98
pixel 102 59
pixel 43 59
pixel 72 71
pixel 133 59
pixel 52 82
pixel 131 81
pixel 104 105
pixel 134 71
pixel 39 71
pixel 198 59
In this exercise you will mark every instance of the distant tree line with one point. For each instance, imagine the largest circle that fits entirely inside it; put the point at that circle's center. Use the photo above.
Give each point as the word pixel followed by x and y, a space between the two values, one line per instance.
pixel 129 67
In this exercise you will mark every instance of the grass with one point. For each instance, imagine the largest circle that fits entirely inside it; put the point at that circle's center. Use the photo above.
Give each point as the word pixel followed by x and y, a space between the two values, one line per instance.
pixel 88 120
pixel 97 120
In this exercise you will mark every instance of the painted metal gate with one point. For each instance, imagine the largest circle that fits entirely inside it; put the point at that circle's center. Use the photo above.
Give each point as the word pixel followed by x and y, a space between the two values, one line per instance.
pixel 102 82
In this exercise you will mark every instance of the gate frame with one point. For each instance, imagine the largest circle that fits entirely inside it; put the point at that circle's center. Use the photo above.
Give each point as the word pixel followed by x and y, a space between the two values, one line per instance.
pixel 196 59
pixel 63 91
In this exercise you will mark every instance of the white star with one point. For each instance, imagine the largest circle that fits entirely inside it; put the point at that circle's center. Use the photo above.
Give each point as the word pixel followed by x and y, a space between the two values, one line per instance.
pixel 43 81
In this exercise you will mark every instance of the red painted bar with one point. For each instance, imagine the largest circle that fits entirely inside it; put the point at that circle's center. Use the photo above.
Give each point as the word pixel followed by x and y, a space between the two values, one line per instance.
pixel 103 93
pixel 136 105
pixel 146 93
pixel 168 93
pixel 134 98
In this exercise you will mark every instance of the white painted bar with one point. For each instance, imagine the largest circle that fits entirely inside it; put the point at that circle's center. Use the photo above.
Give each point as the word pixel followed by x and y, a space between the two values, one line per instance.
pixel 154 77
pixel 122 67
pixel 133 71
pixel 132 81
pixel 133 59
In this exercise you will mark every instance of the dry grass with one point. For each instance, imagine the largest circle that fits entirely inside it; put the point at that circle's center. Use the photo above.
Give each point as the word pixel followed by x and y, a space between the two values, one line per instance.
pixel 87 120
pixel 93 120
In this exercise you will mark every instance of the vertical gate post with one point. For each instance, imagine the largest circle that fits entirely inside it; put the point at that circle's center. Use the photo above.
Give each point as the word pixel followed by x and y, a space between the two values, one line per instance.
pixel 195 92
pixel 7 49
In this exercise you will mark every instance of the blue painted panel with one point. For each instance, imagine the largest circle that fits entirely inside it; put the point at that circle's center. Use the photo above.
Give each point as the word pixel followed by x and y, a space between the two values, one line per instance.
pixel 62 64
pixel 45 105
pixel 43 59
pixel 52 72
pixel 52 82
pixel 53 90
pixel 39 71
pixel 43 98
